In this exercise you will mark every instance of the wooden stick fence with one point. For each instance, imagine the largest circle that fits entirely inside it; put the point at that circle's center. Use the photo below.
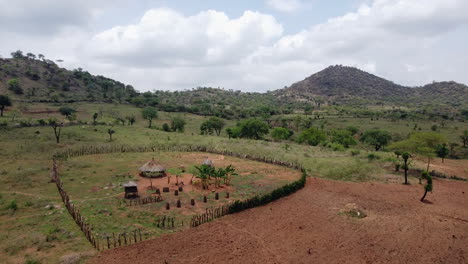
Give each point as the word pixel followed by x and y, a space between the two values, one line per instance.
pixel 196 220
pixel 81 221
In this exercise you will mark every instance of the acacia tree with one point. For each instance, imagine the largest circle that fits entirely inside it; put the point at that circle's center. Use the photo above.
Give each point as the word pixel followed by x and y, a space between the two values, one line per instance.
pixel 67 111
pixel 178 124
pixel 428 187
pixel 149 113
pixel 464 138
pixel 95 116
pixel 442 151
pixel 253 128
pixel 110 131
pixel 4 102
pixel 212 125
pixel 377 138
pixel 57 127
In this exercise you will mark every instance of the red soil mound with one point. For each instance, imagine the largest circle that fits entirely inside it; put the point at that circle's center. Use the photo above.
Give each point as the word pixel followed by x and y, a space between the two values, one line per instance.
pixel 307 227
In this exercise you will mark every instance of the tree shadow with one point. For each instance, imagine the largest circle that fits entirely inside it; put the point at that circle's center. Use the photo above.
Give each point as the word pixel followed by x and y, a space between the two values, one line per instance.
pixel 427 202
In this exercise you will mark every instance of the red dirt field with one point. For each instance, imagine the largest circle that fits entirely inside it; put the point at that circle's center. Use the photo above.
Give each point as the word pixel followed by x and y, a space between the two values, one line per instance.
pixel 307 227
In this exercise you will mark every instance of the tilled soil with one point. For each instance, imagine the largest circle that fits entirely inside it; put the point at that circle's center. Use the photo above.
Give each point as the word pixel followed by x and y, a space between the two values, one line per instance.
pixel 307 227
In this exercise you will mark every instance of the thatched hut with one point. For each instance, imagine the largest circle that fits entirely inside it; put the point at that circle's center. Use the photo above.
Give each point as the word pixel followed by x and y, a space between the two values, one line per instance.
pixel 152 169
pixel 208 162
pixel 131 189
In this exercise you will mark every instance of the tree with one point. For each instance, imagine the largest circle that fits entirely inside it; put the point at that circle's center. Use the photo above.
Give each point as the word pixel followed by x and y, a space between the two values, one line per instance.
pixel 406 163
pixel 343 137
pixel 40 56
pixel 57 127
pixel 428 187
pixel 4 102
pixel 204 173
pixel 442 151
pixel 177 124
pixel 30 56
pixel 421 143
pixel 233 132
pixel 166 127
pixel 253 128
pixel 464 138
pixel 95 116
pixel 131 120
pixel 280 133
pixel 110 131
pixel 14 85
pixel 213 124
pixel 377 138
pixel 67 111
pixel 149 113
pixel 312 136
pixel 17 54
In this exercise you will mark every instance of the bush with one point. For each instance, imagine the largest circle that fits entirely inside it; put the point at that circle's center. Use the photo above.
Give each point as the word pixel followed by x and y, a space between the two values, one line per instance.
pixel 280 133
pixel 343 137
pixel 373 156
pixel 166 127
pixel 336 146
pixel 12 206
pixel 312 136
pixel 355 152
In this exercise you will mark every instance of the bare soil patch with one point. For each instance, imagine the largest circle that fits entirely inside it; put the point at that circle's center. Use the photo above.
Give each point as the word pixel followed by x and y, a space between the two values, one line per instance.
pixel 307 227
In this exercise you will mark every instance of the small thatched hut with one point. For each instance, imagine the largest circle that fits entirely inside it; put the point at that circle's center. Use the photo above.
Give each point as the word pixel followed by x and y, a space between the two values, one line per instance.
pixel 208 162
pixel 152 169
pixel 131 189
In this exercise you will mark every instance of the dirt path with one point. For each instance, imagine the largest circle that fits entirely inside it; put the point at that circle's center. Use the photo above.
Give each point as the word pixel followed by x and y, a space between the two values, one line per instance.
pixel 306 227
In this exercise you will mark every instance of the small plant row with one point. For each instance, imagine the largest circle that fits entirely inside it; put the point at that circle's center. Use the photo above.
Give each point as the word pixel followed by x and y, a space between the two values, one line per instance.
pixel 141 201
pixel 238 205
pixel 122 239
pixel 80 220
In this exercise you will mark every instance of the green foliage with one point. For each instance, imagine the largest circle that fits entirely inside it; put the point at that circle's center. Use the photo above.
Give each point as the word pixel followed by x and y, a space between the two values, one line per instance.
pixel 4 102
pixel 280 133
pixel 233 132
pixel 343 137
pixel 421 143
pixel 212 125
pixel 253 128
pixel 178 124
pixel 312 136
pixel 149 113
pixel 14 85
pixel 166 128
pixel 442 151
pixel 373 156
pixel 353 130
pixel 67 111
pixel 12 206
pixel 376 137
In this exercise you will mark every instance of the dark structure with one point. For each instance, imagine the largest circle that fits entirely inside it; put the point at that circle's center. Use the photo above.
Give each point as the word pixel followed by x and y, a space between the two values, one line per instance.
pixel 131 190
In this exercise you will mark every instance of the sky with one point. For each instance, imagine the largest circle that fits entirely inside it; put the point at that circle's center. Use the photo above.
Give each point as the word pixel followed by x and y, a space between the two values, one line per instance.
pixel 248 45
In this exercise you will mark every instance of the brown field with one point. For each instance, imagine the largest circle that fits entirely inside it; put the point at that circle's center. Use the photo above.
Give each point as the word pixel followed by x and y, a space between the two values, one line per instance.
pixel 307 227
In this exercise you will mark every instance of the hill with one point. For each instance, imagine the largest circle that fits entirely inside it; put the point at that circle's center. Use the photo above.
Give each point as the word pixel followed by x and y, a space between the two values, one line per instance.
pixel 27 79
pixel 348 85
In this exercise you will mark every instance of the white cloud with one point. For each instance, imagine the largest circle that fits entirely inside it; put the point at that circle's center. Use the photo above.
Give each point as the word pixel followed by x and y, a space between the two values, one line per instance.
pixel 164 37
pixel 407 41
pixel 284 5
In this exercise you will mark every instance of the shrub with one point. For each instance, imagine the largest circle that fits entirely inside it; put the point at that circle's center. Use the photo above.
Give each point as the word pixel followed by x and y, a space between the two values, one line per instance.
pixel 312 136
pixel 355 152
pixel 280 133
pixel 12 206
pixel 373 156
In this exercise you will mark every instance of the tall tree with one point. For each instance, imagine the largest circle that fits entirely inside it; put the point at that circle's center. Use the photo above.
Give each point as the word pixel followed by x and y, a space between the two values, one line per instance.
pixel 464 138
pixel 57 127
pixel 253 128
pixel 377 138
pixel 442 151
pixel 212 125
pixel 428 187
pixel 4 102
pixel 177 124
pixel 149 113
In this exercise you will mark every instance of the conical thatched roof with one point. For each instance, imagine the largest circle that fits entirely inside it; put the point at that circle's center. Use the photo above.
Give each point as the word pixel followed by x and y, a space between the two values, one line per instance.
pixel 208 162
pixel 152 166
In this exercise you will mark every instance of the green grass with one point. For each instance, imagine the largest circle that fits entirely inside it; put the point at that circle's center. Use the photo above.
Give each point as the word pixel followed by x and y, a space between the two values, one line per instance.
pixel 25 161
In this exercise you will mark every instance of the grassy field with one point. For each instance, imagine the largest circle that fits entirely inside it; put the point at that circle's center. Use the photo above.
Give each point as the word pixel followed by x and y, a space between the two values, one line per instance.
pixel 34 223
